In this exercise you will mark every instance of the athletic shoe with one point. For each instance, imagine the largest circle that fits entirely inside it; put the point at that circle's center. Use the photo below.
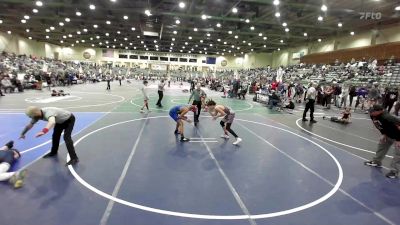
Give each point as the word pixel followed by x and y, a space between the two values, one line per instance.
pixel 305 120
pixel 313 121
pixel 185 139
pixel 72 162
pixel 392 175
pixel 225 136
pixel 141 111
pixel 176 132
pixel 49 155
pixel 373 164
pixel 10 144
pixel 238 140
pixel 17 180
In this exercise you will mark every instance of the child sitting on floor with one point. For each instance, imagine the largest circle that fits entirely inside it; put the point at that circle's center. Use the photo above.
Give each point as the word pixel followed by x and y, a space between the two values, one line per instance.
pixel 346 114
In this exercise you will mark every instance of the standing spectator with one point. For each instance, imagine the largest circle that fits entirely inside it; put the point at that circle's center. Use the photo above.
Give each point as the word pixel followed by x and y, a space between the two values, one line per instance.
pixel 161 87
pixel 389 126
pixel 345 95
pixel 108 79
pixel 120 80
pixel 328 96
pixel 352 94
pixel 391 95
pixel 7 85
pixel 310 103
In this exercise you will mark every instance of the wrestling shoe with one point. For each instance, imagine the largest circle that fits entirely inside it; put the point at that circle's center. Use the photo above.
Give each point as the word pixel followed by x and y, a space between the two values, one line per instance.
pixel 10 144
pixel 183 139
pixel 225 136
pixel 17 180
pixel 238 140
pixel 392 175
pixel 373 164
pixel 304 120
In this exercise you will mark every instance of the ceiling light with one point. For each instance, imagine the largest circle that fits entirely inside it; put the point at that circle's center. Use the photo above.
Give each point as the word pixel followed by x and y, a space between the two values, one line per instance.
pixel 252 28
pixel 1 21
pixel 208 34
pixel 249 44
pixel 78 13
pixel 92 7
pixel 236 37
pixel 172 44
pixel 8 32
pixel 397 8
pixel 173 39
pixel 35 10
pixel 319 40
pixel 247 21
pixel 23 21
pixel 277 14
pixel 195 29
pixel 324 8
pixel 126 17
pixel 186 43
pixel 78 32
pixel 218 40
pixel 225 43
pixel 182 5
pixel 320 18
pixel 67 20
pixel 27 30
pixel 30 38
pixel 265 38
pixel 26 17
pixel 113 0
pixel 85 30
pixel 83 41
pixel 138 37
pixel 52 28
pixel 232 46
pixel 61 24
pixel 230 32
pixel 70 35
pixel 190 38
pixel 265 46
pixel 352 33
pixel 189 52
pixel 284 24
pixel 211 45
pixel 95 26
pixel 108 22
pixel 65 37
pixel 47 30
pixel 305 34
pixel 339 24
pixel 39 3
pixel 175 32
pixel 47 37
pixel 204 17
pixel 177 21
pixel 234 10
pixel 201 41
pixel 147 12
pixel 276 2
pixel 218 25
pixel 118 32
pixel 133 29
pixel 281 41
pixel 260 34
pixel 279 49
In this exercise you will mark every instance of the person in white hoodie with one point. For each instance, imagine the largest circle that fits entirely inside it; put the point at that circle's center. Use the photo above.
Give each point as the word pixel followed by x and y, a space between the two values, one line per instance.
pixel 145 97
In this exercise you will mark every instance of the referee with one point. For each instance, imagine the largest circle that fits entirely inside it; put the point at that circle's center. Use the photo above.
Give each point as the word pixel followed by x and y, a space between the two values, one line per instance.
pixel 310 103
pixel 59 119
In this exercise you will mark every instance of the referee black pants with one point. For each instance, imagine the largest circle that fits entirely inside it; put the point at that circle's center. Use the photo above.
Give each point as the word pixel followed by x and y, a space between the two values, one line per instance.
pixel 309 106
pixel 67 127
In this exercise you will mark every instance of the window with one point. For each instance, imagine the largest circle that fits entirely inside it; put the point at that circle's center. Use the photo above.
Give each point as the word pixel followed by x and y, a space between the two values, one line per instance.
pixel 193 60
pixel 173 59
pixel 123 56
pixel 144 57
pixel 183 59
pixel 163 58
pixel 154 58
pixel 133 57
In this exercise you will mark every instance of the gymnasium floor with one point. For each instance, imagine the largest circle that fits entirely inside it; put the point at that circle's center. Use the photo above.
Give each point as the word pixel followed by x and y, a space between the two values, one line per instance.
pixel 133 170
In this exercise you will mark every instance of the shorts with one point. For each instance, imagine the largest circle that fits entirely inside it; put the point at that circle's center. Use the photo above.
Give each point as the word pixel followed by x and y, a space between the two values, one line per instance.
pixel 174 116
pixel 229 118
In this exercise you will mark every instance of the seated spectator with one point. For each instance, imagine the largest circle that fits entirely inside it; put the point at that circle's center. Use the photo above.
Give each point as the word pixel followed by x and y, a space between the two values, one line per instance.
pixel 274 100
pixel 7 85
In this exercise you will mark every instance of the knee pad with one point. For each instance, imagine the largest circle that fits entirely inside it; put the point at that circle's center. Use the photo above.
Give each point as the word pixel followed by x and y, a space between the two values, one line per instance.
pixel 222 123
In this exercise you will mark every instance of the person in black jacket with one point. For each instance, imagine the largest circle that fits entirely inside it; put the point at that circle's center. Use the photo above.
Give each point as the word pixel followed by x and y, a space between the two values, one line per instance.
pixel 390 98
pixel 352 94
pixel 389 126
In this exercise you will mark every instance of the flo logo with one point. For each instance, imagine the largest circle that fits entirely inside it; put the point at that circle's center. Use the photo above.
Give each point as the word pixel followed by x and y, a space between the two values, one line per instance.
pixel 370 15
